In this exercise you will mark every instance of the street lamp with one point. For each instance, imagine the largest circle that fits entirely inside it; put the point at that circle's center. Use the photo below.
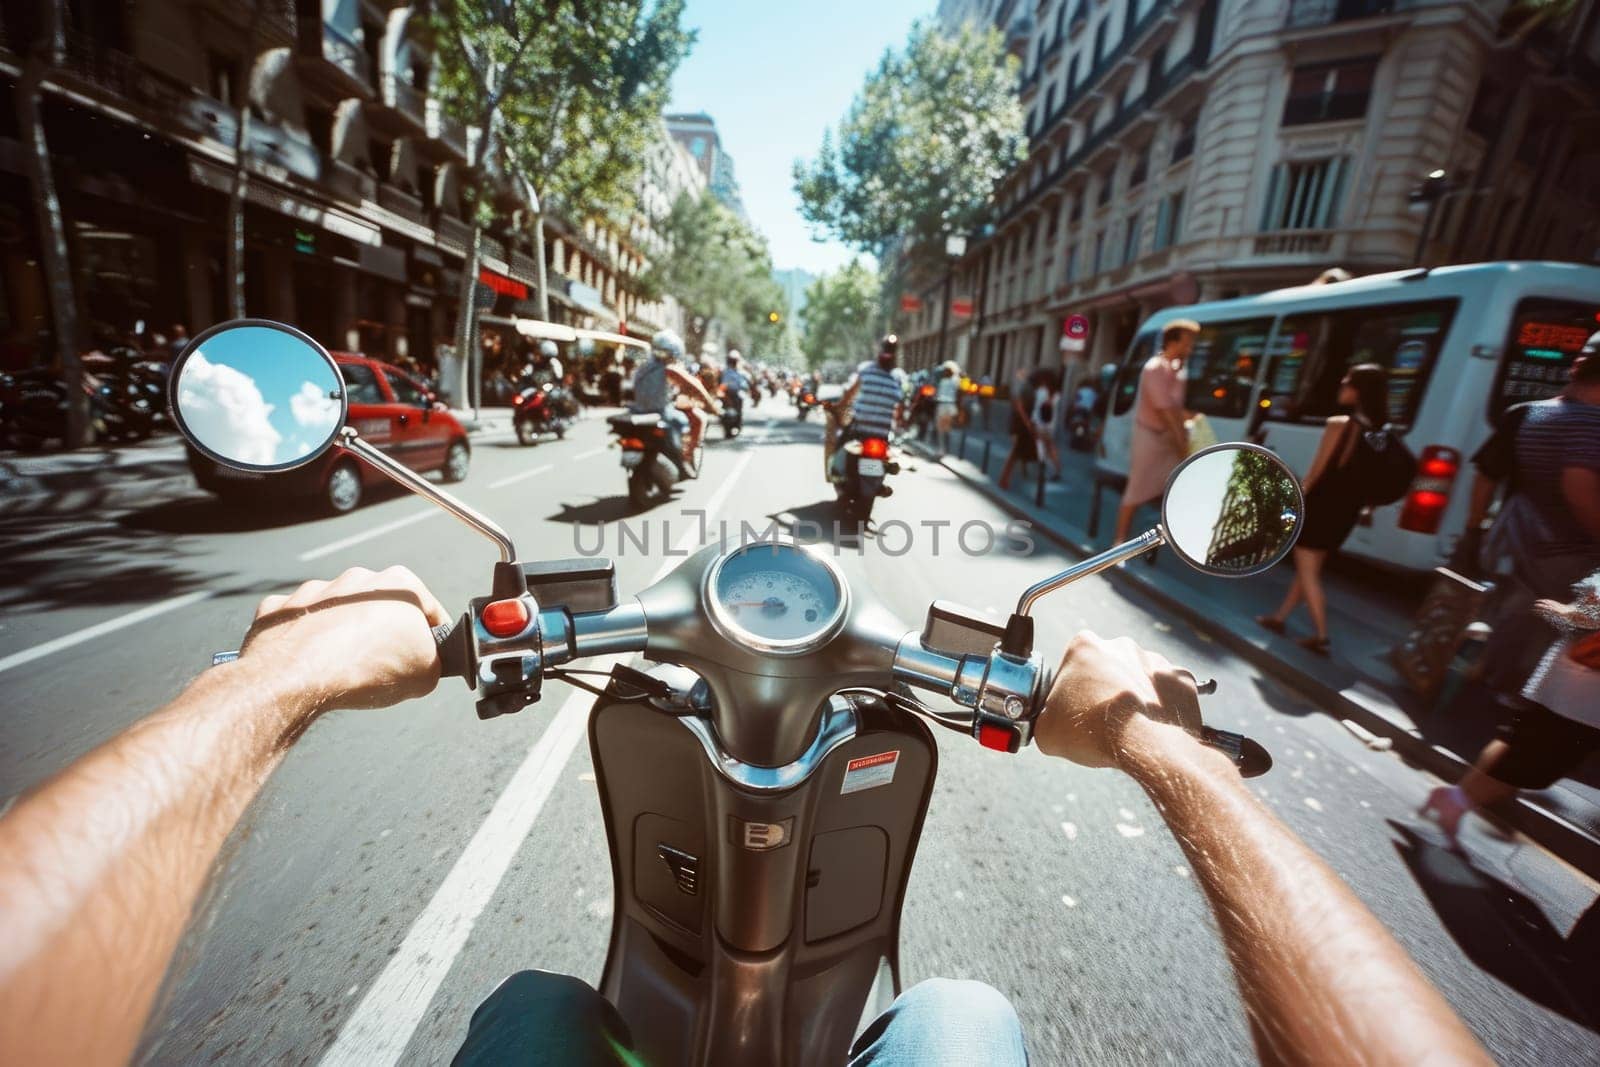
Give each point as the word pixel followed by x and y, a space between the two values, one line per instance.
pixel 955 246
pixel 1425 199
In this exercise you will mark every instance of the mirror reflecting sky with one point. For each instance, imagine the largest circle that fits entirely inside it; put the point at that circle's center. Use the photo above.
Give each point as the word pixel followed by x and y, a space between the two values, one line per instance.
pixel 259 396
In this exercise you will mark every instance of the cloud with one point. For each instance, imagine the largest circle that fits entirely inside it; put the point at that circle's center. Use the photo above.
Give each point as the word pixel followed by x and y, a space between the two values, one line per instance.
pixel 314 411
pixel 225 411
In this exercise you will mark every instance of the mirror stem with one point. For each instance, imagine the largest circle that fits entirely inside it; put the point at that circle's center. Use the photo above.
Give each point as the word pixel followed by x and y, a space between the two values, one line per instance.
pixel 1093 565
pixel 415 482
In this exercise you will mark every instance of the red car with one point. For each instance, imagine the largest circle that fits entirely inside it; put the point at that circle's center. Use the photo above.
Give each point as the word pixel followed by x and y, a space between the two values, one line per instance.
pixel 391 410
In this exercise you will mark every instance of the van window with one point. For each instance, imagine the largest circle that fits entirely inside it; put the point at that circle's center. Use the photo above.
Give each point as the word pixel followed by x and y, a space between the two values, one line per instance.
pixel 1127 384
pixel 1311 351
pixel 1546 336
pixel 1222 368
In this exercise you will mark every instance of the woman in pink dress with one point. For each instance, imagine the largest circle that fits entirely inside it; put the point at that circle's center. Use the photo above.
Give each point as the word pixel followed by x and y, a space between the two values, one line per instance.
pixel 1160 441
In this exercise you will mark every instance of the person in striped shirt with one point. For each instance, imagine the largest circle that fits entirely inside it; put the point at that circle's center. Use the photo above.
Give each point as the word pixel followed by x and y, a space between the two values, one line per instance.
pixel 877 389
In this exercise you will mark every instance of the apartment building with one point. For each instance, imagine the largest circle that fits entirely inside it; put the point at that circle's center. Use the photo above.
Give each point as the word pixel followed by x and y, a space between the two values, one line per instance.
pixel 1184 150
pixel 355 184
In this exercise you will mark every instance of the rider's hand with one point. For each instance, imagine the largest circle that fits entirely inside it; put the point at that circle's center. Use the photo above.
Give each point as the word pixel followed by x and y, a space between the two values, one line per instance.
pixel 363 640
pixel 1104 691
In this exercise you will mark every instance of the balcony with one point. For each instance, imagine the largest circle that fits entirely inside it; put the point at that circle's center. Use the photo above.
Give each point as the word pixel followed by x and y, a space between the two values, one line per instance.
pixel 402 203
pixel 1304 13
pixel 1293 243
pixel 445 131
pixel 401 107
pixel 454 235
pixel 331 59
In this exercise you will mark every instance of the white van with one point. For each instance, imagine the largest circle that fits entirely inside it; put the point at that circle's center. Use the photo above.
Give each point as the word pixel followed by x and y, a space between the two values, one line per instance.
pixel 1460 343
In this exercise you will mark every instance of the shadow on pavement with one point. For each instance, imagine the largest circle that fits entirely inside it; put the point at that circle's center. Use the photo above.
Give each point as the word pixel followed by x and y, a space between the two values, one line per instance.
pixel 137 569
pixel 1505 933
pixel 820 522
pixel 1281 700
pixel 209 515
pixel 603 509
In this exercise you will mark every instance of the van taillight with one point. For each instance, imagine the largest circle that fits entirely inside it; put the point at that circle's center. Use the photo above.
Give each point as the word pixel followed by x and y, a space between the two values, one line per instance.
pixel 1430 489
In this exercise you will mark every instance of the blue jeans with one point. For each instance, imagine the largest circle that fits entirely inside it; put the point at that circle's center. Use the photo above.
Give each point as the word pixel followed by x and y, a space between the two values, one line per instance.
pixel 539 1017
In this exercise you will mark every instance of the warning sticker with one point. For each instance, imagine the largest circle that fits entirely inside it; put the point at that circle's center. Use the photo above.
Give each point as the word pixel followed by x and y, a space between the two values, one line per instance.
pixel 869 772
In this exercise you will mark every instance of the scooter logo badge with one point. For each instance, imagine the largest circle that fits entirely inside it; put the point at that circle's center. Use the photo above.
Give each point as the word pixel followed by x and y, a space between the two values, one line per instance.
pixel 760 836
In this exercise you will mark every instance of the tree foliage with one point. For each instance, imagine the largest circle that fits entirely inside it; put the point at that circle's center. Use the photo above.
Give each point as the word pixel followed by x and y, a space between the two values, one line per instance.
pixel 722 272
pixel 923 144
pixel 578 87
pixel 842 315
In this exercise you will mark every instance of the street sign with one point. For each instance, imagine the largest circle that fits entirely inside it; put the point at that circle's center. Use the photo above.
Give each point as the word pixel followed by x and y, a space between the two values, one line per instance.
pixel 1075 333
pixel 910 302
pixel 961 308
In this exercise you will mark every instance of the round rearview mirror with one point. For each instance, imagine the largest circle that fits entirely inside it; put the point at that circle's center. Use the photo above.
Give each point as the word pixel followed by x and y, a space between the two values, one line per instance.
pixel 1232 510
pixel 257 395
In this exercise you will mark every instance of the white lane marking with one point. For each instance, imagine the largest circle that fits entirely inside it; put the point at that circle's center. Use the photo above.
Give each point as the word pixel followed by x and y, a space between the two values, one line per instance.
pixel 368 534
pixel 381 1026
pixel 89 633
pixel 503 482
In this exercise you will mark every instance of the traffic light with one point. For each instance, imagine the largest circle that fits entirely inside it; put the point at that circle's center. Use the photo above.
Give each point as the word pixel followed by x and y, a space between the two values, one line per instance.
pixel 773 317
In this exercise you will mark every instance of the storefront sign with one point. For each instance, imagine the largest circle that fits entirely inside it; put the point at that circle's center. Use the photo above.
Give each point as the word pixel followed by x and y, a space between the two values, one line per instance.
pixel 910 302
pixel 961 308
pixel 499 283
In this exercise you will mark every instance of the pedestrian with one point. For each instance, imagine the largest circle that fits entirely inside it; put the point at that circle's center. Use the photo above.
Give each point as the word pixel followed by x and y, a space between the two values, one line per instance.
pixel 1336 490
pixel 945 400
pixel 1160 441
pixel 1046 405
pixel 1556 725
pixel 1024 439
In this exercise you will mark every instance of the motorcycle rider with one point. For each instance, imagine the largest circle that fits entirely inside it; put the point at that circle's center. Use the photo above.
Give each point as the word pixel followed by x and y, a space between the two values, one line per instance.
pixel 547 368
pixel 654 393
pixel 733 379
pixel 102 865
pixel 877 392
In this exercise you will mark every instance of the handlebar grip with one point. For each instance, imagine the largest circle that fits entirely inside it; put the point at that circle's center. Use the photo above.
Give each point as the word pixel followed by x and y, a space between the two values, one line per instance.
pixel 455 656
pixel 1248 756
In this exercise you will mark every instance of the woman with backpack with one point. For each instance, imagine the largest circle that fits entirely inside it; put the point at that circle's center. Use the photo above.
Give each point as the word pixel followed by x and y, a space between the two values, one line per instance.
pixel 1346 475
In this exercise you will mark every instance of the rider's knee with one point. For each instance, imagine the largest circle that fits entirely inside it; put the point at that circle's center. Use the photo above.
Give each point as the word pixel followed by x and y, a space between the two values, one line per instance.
pixel 972 1004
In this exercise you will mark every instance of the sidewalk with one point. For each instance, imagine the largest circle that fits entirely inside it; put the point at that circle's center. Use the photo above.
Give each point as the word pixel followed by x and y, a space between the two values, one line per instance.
pixel 1369 611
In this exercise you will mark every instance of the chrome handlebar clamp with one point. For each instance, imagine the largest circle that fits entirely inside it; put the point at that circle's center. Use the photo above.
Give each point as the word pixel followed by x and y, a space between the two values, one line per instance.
pixel 510 669
pixel 1009 699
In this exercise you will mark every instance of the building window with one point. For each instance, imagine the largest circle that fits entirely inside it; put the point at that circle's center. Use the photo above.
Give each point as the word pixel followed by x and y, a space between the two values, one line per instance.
pixel 1169 220
pixel 1488 109
pixel 1076 214
pixel 1183 141
pixel 1130 243
pixel 1141 168
pixel 1071 273
pixel 1100 33
pixel 1106 181
pixel 1304 196
pixel 1099 252
pixel 1329 92
pixel 1072 77
pixel 1049 102
pixel 319 125
pixel 1158 66
pixel 220 74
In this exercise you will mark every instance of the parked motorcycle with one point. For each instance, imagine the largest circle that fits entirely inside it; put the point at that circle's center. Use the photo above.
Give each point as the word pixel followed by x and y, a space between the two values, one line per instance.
pixel 654 464
pixel 763 785
pixel 126 396
pixel 539 409
pixel 732 411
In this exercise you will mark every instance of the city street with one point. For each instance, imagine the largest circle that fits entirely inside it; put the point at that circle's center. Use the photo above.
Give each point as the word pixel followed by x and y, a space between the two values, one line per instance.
pixel 401 863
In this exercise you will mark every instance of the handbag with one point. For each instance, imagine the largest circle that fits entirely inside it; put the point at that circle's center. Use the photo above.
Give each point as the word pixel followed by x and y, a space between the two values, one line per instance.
pixel 1201 434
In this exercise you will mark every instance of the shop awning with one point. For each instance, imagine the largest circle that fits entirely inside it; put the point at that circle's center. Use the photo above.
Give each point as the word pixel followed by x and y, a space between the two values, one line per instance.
pixel 612 338
pixel 549 331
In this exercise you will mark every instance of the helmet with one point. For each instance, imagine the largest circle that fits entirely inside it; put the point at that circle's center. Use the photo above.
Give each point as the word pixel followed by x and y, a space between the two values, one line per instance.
pixel 733 357
pixel 889 344
pixel 548 349
pixel 666 345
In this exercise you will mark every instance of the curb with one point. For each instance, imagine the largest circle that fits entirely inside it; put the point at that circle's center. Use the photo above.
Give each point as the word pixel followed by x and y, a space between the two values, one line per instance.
pixel 1362 705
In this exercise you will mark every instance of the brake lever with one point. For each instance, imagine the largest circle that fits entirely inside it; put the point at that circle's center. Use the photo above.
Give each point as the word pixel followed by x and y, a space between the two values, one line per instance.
pixel 1250 757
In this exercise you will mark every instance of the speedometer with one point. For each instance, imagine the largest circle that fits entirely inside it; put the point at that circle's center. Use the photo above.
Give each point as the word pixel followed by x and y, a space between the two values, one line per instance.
pixel 776 598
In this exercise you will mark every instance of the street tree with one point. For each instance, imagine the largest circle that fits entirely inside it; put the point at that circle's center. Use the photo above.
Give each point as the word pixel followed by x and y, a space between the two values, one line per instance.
pixel 721 271
pixel 917 155
pixel 565 94
pixel 843 315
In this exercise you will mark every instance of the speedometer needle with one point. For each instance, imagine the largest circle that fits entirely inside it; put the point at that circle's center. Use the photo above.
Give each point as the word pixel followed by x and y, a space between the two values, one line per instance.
pixel 770 602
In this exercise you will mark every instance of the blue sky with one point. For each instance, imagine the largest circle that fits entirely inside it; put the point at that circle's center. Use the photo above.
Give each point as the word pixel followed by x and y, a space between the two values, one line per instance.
pixel 774 75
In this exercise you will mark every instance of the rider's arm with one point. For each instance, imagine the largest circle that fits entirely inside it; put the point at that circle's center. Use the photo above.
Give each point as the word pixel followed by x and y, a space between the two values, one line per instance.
pixel 101 866
pixel 1322 980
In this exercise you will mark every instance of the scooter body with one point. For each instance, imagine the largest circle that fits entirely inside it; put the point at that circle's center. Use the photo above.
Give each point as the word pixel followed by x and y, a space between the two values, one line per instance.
pixel 652 462
pixel 866 467
pixel 538 411
pixel 732 411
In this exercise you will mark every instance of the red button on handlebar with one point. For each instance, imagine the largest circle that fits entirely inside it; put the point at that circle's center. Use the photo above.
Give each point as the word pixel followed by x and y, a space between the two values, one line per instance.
pixel 992 735
pixel 505 618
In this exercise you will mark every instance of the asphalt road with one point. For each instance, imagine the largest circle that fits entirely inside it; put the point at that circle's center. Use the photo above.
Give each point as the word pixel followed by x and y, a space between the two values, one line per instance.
pixel 401 863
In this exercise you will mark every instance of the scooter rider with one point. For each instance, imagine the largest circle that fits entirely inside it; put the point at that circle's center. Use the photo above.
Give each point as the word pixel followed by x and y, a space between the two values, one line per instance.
pixel 101 866
pixel 877 390
pixel 653 392
pixel 733 379
pixel 548 368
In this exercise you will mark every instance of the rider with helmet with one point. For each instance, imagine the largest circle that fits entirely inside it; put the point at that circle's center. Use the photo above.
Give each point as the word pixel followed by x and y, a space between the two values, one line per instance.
pixel 656 384
pixel 548 366
pixel 877 390
pixel 734 379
